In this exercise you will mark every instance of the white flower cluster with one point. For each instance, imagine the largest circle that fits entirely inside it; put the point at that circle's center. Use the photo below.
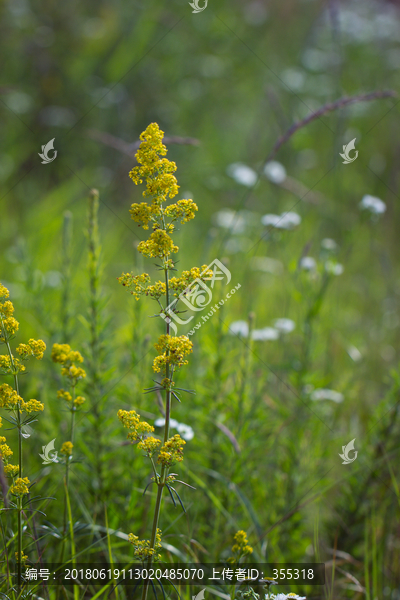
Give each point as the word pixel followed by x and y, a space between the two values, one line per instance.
pixel 287 220
pixel 281 326
pixel 285 597
pixel 375 205
pixel 325 394
pixel 184 430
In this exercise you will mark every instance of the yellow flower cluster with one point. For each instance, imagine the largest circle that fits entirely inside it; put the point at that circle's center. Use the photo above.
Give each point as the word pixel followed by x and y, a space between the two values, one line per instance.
pixel 171 452
pixel 142 548
pixel 150 445
pixel 64 395
pixel 73 373
pixel 241 546
pixel 7 368
pixel 157 171
pixel 131 420
pixel 24 557
pixel 9 365
pixel 164 184
pixel 136 284
pixel 31 406
pixel 4 293
pixel 8 325
pixel 157 290
pixel 68 398
pixel 183 210
pixel 5 451
pixel 148 152
pixel 159 244
pixel 180 284
pixel 6 309
pixel 11 470
pixel 34 348
pixel 144 213
pixel 175 350
pixel 8 396
pixel 20 486
pixel 62 354
pixel 11 400
pixel 9 328
pixel 66 448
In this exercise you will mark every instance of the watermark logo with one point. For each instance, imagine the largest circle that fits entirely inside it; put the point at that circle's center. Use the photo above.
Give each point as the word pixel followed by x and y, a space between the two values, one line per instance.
pixel 46 453
pixel 200 595
pixel 197 295
pixel 45 150
pixel 346 449
pixel 346 149
pixel 196 6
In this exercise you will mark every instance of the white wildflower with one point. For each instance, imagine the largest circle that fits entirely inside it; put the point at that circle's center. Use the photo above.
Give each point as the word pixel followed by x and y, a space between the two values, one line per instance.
pixel 275 172
pixel 262 335
pixel 284 325
pixel 329 244
pixel 243 174
pixel 286 220
pixel 333 267
pixel 185 431
pixel 308 263
pixel 375 205
pixel 325 394
pixel 239 328
pixel 161 422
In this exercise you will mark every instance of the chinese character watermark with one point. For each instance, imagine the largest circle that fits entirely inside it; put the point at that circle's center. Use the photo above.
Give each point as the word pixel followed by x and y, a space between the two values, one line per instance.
pixel 197 295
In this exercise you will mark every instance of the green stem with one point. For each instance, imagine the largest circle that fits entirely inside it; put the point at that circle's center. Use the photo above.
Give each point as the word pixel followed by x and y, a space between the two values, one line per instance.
pixel 66 273
pixel 164 469
pixel 94 365
pixel 67 461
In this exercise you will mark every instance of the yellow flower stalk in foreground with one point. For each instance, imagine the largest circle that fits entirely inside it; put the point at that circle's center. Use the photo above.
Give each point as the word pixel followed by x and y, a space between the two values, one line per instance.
pixel 161 185
pixel 11 401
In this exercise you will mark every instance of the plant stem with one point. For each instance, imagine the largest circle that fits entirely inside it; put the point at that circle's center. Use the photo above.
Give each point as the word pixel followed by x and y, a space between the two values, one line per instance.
pixel 66 272
pixel 94 365
pixel 164 469
pixel 66 480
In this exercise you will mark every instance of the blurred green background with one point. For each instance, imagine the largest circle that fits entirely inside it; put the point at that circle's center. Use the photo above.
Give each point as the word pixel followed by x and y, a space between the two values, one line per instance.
pixel 234 78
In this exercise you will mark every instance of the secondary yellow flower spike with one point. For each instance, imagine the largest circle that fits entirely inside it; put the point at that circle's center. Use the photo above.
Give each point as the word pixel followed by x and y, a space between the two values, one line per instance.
pixel 241 547
pixel 9 397
pixel 62 354
pixel 15 404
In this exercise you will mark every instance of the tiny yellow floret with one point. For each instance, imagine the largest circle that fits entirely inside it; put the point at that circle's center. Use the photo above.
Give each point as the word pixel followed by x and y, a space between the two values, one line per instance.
pixel 20 486
pixel 66 448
